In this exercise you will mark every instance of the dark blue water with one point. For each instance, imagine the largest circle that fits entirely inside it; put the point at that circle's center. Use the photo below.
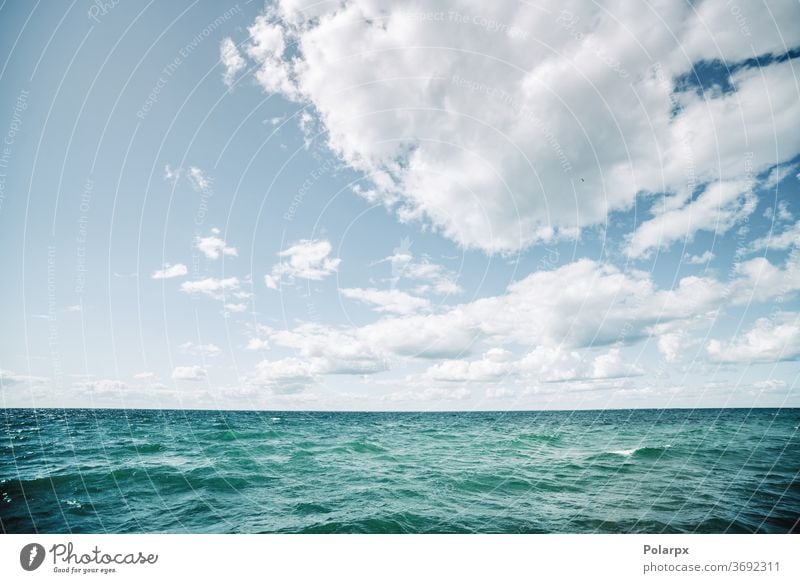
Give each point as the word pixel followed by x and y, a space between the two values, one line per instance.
pixel 141 471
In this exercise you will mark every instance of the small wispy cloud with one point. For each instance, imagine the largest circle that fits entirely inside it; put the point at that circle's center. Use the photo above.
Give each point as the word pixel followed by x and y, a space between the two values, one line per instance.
pixel 211 287
pixel 189 373
pixel 214 246
pixel 172 174
pixel 205 350
pixel 198 179
pixel 170 271
pixel 391 301
pixel 231 59
pixel 701 259
pixel 306 259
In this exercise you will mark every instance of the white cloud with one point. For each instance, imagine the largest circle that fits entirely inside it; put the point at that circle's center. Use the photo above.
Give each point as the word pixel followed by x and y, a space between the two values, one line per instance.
pixel 769 384
pixel 581 305
pixel 257 344
pixel 783 213
pixel 144 376
pixel 670 345
pixel 437 279
pixel 778 174
pixel 500 143
pixel 701 259
pixel 267 45
pixel 235 308
pixel 393 301
pixel 9 378
pixel 102 386
pixel 198 179
pixel 789 238
pixel 769 340
pixel 494 366
pixel 214 246
pixel 172 174
pixel 75 308
pixel 544 364
pixel 720 32
pixel 759 280
pixel 285 376
pixel 266 40
pixel 206 350
pixel 306 259
pixel 557 319
pixel 611 366
pixel 212 287
pixel 554 364
pixel 333 351
pixel 231 60
pixel 427 275
pixel 170 271
pixel 189 373
pixel 587 303
pixel 716 209
pixel 780 214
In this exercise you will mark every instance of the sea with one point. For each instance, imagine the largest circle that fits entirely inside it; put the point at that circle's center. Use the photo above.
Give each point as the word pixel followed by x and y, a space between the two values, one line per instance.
pixel 188 471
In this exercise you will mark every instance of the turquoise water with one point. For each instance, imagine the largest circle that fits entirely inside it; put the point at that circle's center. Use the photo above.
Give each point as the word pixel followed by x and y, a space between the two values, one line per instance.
pixel 724 470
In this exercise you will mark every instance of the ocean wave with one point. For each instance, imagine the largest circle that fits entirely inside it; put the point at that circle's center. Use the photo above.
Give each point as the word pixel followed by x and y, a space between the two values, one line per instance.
pixel 144 448
pixel 130 481
pixel 396 523
pixel 524 438
pixel 644 451
pixel 358 446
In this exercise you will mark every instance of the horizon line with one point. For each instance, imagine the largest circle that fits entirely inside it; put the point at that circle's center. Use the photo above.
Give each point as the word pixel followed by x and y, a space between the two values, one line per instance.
pixel 402 410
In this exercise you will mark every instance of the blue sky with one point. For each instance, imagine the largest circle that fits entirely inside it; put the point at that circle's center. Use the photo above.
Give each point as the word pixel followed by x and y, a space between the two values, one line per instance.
pixel 377 206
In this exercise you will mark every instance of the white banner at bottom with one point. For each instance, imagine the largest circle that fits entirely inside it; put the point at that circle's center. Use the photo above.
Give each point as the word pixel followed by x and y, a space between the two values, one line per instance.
pixel 485 558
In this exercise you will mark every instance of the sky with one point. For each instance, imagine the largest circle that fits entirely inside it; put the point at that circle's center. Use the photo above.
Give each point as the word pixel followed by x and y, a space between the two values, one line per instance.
pixel 369 205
